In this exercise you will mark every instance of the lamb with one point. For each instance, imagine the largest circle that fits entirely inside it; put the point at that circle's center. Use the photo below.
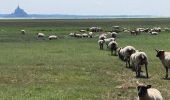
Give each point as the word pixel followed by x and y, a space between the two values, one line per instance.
pixel 52 37
pixel 40 35
pixel 101 42
pixel 137 59
pixel 113 46
pixel 108 40
pixel 165 59
pixel 23 32
pixel 145 92
pixel 125 53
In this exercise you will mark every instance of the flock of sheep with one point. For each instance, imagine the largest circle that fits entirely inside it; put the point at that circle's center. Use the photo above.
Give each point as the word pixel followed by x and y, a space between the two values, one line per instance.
pixel 42 35
pixel 134 59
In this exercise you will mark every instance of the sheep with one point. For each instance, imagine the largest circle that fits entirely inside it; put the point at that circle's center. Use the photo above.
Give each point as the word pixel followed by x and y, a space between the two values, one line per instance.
pixel 101 42
pixel 145 92
pixel 102 37
pixel 23 32
pixel 84 35
pixel 114 34
pixel 134 32
pixel 82 31
pixel 165 59
pixel 95 29
pixel 113 46
pixel 78 35
pixel 72 34
pixel 91 34
pixel 125 53
pixel 136 60
pixel 108 40
pixel 154 33
pixel 39 35
pixel 52 37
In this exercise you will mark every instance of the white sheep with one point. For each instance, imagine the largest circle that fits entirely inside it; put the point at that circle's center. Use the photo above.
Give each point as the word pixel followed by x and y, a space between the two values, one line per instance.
pixel 72 34
pixel 114 34
pixel 145 92
pixel 85 35
pixel 52 37
pixel 102 37
pixel 108 40
pixel 40 35
pixel 136 60
pixel 113 46
pixel 101 43
pixel 91 34
pixel 165 59
pixel 154 33
pixel 125 53
pixel 23 32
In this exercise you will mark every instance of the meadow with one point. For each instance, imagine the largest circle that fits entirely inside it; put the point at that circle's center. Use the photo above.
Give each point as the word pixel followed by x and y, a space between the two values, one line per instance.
pixel 75 69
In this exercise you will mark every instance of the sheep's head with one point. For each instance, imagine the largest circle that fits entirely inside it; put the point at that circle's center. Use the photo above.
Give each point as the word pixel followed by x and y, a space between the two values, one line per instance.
pixel 142 90
pixel 159 53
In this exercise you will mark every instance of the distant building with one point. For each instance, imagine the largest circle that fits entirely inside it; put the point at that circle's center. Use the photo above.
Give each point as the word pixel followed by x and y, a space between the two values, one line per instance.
pixel 19 13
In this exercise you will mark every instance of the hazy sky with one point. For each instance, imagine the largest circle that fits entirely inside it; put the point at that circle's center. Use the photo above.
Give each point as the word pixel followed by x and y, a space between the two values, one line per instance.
pixel 89 7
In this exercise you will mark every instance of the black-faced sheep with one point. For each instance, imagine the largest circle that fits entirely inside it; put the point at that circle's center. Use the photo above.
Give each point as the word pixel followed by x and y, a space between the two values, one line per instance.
pixel 145 92
pixel 165 59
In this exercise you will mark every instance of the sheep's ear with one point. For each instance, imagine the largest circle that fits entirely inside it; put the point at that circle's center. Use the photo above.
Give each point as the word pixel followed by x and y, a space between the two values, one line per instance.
pixel 148 86
pixel 156 50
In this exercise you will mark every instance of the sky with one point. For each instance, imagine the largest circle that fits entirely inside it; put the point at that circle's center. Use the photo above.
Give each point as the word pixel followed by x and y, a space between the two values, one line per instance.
pixel 89 7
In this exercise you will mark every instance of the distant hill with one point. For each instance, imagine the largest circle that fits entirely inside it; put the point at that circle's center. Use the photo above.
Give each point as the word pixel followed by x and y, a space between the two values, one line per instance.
pixel 20 13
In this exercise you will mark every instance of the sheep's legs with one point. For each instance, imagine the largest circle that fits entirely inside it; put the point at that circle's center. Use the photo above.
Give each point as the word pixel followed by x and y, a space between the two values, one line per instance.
pixel 166 72
pixel 146 71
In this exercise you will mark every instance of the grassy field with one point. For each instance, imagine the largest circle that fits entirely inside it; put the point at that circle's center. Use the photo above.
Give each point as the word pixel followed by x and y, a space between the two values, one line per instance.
pixel 75 69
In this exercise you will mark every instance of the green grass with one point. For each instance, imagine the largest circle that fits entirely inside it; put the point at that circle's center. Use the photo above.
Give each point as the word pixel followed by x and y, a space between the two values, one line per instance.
pixel 73 69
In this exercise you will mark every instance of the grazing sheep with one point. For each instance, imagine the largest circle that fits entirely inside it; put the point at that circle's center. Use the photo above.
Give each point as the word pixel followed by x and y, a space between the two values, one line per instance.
pixel 145 92
pixel 134 32
pixel 72 34
pixel 40 35
pixel 52 37
pixel 95 29
pixel 154 33
pixel 102 37
pixel 85 35
pixel 78 35
pixel 165 59
pixel 114 34
pixel 121 54
pixel 125 53
pixel 91 34
pixel 101 43
pixel 136 60
pixel 23 32
pixel 113 46
pixel 108 40
pixel 82 31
